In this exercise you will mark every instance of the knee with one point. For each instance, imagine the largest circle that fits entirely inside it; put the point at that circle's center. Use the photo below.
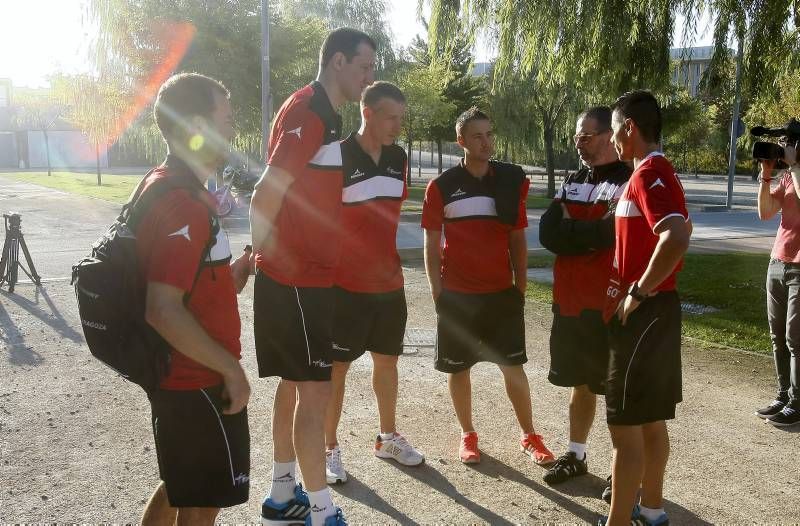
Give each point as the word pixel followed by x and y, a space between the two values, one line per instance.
pixel 313 392
pixel 383 362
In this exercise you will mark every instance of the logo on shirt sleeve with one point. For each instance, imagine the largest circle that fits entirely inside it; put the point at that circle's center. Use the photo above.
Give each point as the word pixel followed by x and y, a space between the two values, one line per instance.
pixel 182 232
pixel 657 182
pixel 458 193
pixel 296 131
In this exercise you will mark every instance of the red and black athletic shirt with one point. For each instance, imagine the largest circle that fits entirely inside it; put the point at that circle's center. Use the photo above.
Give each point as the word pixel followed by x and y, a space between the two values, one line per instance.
pixel 372 197
pixel 590 196
pixel 171 238
pixel 304 141
pixel 653 194
pixel 475 257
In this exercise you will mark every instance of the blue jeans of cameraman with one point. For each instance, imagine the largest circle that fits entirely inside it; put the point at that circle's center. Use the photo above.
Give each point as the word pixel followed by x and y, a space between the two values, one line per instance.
pixel 783 313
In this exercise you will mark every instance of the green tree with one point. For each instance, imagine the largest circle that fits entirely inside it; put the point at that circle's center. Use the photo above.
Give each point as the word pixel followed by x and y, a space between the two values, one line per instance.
pixel 96 108
pixel 222 39
pixel 426 108
pixel 459 87
pixel 38 112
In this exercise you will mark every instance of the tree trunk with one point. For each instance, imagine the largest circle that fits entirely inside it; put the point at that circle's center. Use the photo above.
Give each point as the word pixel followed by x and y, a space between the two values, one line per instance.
pixel 439 147
pixel 97 156
pixel 549 159
pixel 419 160
pixel 408 160
pixel 47 150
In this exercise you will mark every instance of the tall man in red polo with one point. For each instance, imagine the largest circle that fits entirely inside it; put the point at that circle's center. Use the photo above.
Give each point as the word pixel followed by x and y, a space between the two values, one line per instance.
pixel 294 218
pixel 644 373
pixel 478 278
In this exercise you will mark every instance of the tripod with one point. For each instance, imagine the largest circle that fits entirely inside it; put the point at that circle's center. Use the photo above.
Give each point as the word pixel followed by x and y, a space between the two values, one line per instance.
pixel 9 263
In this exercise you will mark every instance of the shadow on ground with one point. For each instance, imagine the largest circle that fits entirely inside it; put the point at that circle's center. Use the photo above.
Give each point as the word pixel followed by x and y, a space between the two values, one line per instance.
pixel 44 310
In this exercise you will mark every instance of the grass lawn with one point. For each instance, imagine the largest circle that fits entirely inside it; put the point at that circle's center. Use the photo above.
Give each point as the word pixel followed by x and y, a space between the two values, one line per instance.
pixel 417 193
pixel 732 283
pixel 115 188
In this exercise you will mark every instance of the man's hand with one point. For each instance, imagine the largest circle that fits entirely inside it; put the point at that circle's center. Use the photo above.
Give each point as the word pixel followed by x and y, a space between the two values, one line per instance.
pixel 241 269
pixel 565 212
pixel 767 166
pixel 630 304
pixel 790 154
pixel 436 291
pixel 236 391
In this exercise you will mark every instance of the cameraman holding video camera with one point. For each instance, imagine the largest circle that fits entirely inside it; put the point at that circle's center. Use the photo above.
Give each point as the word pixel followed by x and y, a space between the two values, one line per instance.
pixel 783 278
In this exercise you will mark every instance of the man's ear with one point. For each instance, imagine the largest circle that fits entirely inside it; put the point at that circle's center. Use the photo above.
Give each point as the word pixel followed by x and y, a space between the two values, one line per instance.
pixel 197 131
pixel 338 60
pixel 460 140
pixel 629 127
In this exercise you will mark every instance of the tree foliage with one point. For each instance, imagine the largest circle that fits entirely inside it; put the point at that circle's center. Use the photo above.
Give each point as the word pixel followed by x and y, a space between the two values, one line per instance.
pixel 95 108
pixel 38 112
pixel 426 109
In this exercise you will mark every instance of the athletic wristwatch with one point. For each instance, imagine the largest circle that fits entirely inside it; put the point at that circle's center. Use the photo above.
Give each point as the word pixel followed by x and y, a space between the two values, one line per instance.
pixel 634 293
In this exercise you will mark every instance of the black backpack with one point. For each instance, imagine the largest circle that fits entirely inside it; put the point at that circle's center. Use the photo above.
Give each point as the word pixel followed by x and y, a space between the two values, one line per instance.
pixel 111 291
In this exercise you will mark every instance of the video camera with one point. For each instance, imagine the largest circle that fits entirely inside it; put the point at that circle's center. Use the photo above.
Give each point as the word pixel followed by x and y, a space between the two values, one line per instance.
pixel 14 220
pixel 763 150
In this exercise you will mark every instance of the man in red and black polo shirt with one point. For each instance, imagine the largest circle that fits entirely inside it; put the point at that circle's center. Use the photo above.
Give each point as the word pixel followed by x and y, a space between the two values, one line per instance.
pixel 199 412
pixel 478 278
pixel 294 218
pixel 644 372
pixel 579 228
pixel 370 300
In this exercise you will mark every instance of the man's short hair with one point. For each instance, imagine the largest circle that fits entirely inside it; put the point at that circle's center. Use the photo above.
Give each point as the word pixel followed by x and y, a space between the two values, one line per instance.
pixel 344 40
pixel 472 114
pixel 601 115
pixel 381 89
pixel 182 97
pixel 641 107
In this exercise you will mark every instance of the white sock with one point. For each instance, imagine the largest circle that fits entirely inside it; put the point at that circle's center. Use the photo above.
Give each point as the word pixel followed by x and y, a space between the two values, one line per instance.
pixel 283 482
pixel 650 514
pixel 578 449
pixel 321 506
pixel 387 436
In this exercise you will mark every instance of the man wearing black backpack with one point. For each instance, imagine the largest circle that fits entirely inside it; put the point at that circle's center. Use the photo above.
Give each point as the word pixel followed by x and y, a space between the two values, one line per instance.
pixel 199 412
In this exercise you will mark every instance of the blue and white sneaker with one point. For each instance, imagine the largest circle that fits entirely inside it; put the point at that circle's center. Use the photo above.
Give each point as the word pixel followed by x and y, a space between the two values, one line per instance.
pixel 334 520
pixel 297 511
pixel 638 520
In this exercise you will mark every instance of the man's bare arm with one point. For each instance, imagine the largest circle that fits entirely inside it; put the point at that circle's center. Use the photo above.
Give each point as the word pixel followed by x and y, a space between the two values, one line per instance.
pixel 265 204
pixel 768 205
pixel 166 313
pixel 674 234
pixel 433 261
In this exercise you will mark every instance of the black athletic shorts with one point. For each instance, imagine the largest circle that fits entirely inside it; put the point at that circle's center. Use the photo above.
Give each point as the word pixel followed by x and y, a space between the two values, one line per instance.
pixel 374 322
pixel 579 350
pixel 293 330
pixel 203 454
pixel 484 327
pixel 644 372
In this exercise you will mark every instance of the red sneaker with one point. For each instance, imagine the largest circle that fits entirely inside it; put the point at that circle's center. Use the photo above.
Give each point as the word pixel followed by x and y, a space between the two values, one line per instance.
pixel 468 451
pixel 532 445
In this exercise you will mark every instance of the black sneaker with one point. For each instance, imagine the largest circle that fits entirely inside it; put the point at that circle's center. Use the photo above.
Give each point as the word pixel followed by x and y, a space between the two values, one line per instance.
pixel 606 496
pixel 788 416
pixel 567 466
pixel 773 408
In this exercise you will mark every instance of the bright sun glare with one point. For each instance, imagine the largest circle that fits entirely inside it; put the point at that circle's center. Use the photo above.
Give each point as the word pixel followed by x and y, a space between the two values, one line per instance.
pixel 42 37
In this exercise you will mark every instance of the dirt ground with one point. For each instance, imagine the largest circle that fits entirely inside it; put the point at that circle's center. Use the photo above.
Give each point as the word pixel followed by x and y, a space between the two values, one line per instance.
pixel 76 444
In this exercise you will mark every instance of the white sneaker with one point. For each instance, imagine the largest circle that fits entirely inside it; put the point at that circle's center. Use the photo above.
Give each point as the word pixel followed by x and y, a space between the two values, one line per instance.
pixel 399 449
pixel 334 469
